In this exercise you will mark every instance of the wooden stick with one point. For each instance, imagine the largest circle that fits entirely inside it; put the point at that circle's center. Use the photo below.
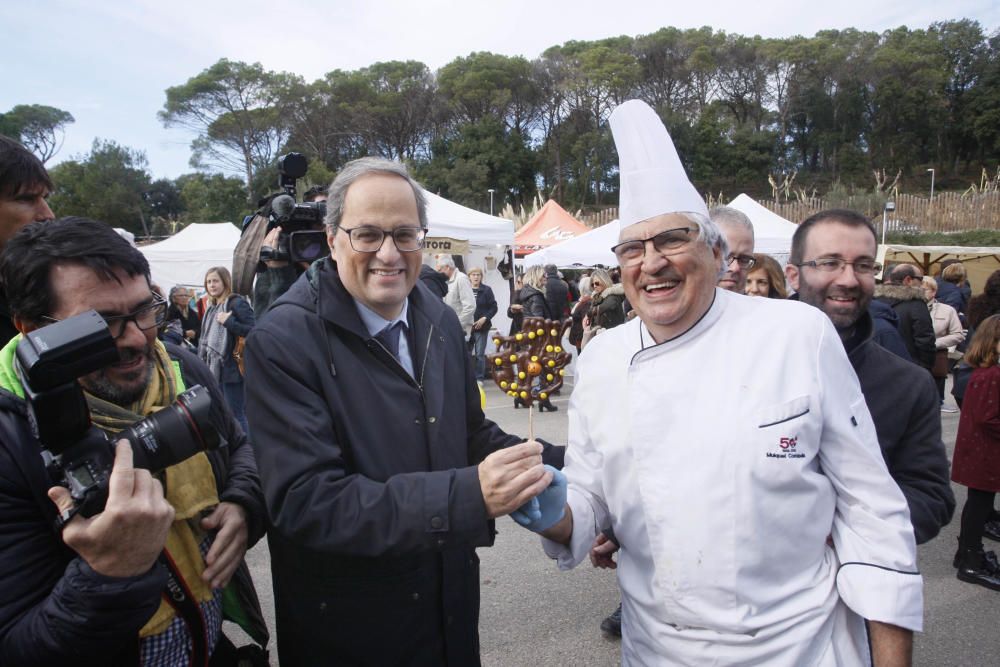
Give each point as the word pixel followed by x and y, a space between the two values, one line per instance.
pixel 531 420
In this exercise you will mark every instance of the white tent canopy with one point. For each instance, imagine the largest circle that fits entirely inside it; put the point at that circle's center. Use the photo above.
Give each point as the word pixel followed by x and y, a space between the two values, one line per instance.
pixel 450 220
pixel 772 233
pixel 588 249
pixel 185 257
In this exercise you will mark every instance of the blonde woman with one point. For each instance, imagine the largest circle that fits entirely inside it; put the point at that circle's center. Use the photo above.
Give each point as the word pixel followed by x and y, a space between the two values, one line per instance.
pixel 227 317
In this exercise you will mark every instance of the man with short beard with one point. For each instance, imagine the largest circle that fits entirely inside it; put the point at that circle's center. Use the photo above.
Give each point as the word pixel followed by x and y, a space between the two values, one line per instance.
pixel 96 592
pixel 832 266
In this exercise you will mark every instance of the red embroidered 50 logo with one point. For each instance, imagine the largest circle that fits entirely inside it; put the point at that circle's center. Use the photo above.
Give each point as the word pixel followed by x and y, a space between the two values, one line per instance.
pixel 788 443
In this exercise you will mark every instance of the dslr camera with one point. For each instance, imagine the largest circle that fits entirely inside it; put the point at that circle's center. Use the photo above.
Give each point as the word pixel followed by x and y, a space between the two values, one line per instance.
pixel 302 238
pixel 77 454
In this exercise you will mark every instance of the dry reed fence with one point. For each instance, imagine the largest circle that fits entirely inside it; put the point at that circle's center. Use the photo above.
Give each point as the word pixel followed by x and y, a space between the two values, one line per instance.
pixel 949 212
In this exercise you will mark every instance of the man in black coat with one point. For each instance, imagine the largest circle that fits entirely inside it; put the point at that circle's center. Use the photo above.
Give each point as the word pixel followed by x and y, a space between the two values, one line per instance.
pixel 556 292
pixel 24 189
pixel 380 472
pixel 832 267
pixel 95 591
pixel 905 294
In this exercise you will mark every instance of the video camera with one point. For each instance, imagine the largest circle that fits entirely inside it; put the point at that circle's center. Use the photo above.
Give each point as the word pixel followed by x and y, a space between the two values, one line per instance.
pixel 302 238
pixel 77 454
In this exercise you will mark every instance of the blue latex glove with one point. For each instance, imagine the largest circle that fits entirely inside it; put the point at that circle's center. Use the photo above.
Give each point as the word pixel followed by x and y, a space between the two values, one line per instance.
pixel 547 508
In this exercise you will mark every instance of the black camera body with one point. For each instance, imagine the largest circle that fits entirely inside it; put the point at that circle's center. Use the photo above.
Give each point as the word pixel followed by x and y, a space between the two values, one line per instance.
pixel 77 454
pixel 302 238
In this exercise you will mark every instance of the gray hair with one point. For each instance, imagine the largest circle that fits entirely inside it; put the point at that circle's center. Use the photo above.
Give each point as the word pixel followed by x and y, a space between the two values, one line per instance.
pixel 444 260
pixel 359 168
pixel 727 215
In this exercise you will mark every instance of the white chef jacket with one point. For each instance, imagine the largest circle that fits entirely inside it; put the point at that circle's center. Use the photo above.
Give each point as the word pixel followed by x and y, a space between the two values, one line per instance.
pixel 723 459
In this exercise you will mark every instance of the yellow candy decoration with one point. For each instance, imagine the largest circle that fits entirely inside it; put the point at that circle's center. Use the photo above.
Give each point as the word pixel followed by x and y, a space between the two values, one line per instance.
pixel 521 375
pixel 562 372
pixel 543 396
pixel 498 361
pixel 519 337
pixel 550 377
pixel 558 348
pixel 551 364
pixel 513 358
pixel 554 332
pixel 531 335
pixel 534 358
pixel 541 332
pixel 524 394
pixel 549 348
pixel 513 385
pixel 496 341
pixel 504 384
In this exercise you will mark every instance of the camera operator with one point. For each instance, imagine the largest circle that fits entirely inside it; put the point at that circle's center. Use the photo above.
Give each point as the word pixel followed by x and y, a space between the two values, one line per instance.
pixel 97 593
pixel 280 256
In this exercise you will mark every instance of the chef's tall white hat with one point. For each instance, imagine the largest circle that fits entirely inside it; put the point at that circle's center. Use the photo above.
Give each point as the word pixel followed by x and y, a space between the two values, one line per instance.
pixel 653 181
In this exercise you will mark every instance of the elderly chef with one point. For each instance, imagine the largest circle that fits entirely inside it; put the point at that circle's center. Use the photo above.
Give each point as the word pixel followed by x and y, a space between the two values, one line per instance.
pixel 726 442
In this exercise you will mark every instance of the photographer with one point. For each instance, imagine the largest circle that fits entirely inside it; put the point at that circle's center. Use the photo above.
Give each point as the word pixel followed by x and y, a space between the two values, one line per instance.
pixel 95 593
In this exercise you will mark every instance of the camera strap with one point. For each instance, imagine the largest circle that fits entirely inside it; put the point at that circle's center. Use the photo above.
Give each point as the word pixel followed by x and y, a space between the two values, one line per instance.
pixel 178 596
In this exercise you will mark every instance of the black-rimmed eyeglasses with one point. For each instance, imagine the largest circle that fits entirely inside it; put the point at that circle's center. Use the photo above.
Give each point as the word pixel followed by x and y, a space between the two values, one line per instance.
pixel 370 239
pixel 742 261
pixel 147 317
pixel 665 243
pixel 862 267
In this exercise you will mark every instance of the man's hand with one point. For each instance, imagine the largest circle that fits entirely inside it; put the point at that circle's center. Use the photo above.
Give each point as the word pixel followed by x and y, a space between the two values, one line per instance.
pixel 190 333
pixel 271 241
pixel 601 552
pixel 545 510
pixel 230 543
pixel 125 539
pixel 516 307
pixel 478 324
pixel 511 477
pixel 892 646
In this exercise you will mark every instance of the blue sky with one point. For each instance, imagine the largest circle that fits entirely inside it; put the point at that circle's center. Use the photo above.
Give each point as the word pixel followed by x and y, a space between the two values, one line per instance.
pixel 109 63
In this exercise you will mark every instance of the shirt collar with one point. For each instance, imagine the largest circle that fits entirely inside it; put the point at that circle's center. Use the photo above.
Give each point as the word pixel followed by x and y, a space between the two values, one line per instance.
pixel 375 323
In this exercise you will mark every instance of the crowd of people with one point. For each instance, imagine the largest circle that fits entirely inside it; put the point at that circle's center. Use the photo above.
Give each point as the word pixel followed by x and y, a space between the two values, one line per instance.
pixel 353 438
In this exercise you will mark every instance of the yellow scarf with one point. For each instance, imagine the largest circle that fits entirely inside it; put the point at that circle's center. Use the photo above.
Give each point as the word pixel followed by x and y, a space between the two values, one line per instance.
pixel 188 486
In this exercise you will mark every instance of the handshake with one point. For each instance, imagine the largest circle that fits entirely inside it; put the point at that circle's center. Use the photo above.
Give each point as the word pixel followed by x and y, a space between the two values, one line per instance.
pixel 514 481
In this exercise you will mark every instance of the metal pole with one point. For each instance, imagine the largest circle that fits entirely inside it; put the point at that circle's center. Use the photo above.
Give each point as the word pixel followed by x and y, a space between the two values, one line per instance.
pixel 885 214
pixel 932 185
pixel 491 191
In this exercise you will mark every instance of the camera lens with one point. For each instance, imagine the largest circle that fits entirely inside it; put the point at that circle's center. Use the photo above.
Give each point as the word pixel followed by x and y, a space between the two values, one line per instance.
pixel 175 433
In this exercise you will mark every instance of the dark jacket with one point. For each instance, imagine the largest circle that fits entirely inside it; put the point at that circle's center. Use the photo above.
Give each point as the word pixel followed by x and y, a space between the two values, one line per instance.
pixel 54 609
pixel 486 306
pixel 238 324
pixel 516 316
pixel 188 322
pixel 270 284
pixel 608 308
pixel 370 480
pixel 436 281
pixel 556 295
pixel 903 402
pixel 534 302
pixel 887 329
pixel 915 325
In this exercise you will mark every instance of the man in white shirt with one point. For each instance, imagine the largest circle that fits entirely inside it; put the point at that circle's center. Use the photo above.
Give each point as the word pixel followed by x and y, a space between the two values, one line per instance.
pixel 459 297
pixel 756 519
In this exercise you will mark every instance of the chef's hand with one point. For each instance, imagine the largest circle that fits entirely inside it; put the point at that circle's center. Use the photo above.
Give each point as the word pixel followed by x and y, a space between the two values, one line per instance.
pixel 601 552
pixel 551 505
pixel 511 477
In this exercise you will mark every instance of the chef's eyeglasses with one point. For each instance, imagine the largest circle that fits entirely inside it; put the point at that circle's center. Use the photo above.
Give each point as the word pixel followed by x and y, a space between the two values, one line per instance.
pixel 149 316
pixel 665 243
pixel 370 239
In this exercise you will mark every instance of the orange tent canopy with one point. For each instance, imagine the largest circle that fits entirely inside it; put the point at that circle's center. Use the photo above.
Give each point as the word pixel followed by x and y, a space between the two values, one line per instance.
pixel 550 225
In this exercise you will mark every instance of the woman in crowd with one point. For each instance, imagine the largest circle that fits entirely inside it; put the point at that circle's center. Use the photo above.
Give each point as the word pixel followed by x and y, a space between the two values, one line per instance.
pixel 976 463
pixel 515 311
pixel 228 317
pixel 607 305
pixel 579 313
pixel 180 310
pixel 766 278
pixel 532 295
pixel 486 309
pixel 948 332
